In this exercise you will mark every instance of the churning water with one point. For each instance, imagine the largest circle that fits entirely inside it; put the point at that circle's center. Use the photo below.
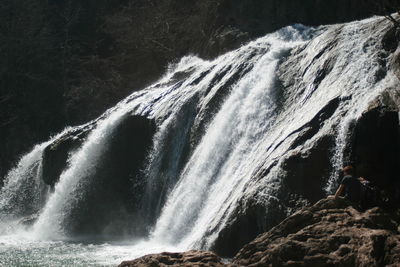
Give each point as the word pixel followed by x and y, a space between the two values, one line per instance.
pixel 216 127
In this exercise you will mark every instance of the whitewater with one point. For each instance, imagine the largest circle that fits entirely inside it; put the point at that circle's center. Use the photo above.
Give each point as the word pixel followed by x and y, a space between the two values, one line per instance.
pixel 219 124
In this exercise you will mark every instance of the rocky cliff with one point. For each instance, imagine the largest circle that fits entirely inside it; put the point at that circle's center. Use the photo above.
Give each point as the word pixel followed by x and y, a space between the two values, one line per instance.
pixel 329 233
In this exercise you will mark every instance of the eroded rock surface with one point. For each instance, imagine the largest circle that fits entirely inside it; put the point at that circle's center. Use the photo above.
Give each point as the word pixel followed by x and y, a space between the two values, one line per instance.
pixel 190 258
pixel 329 233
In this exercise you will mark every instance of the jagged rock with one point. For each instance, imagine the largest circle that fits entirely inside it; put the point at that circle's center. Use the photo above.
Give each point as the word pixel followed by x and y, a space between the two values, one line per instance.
pixel 329 233
pixel 190 258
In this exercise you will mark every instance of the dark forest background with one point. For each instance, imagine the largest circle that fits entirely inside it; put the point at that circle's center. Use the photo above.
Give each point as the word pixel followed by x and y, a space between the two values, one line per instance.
pixel 64 62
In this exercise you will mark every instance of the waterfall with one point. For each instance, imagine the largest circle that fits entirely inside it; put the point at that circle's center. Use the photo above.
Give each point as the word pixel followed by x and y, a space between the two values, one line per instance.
pixel 168 100
pixel 223 156
pixel 24 191
pixel 23 188
pixel 229 133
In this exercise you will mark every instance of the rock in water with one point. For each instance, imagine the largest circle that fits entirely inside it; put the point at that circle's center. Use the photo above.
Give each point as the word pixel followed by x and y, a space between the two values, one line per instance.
pixel 190 258
pixel 329 233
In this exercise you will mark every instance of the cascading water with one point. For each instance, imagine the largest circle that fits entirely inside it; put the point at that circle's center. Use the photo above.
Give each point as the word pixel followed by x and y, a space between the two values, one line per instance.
pixel 224 154
pixel 225 132
pixel 24 188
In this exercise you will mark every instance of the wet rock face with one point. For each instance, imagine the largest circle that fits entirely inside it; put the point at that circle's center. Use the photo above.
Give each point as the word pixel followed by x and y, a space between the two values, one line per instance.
pixel 109 205
pixel 248 221
pixel 56 154
pixel 305 172
pixel 190 258
pixel 302 184
pixel 375 146
pixel 330 233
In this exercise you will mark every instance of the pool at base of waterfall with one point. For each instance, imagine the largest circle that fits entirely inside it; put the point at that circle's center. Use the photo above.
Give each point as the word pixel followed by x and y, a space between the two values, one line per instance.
pixel 17 250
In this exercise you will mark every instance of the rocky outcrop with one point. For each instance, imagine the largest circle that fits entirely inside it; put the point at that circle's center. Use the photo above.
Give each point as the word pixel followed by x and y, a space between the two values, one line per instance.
pixel 190 258
pixel 329 233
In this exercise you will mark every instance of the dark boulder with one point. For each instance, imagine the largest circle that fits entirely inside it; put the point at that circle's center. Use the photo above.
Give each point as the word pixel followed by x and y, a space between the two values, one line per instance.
pixel 391 39
pixel 375 145
pixel 307 172
pixel 249 219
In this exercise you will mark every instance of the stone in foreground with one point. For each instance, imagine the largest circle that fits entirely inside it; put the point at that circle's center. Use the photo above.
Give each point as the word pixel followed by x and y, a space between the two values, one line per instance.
pixel 189 258
pixel 329 233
